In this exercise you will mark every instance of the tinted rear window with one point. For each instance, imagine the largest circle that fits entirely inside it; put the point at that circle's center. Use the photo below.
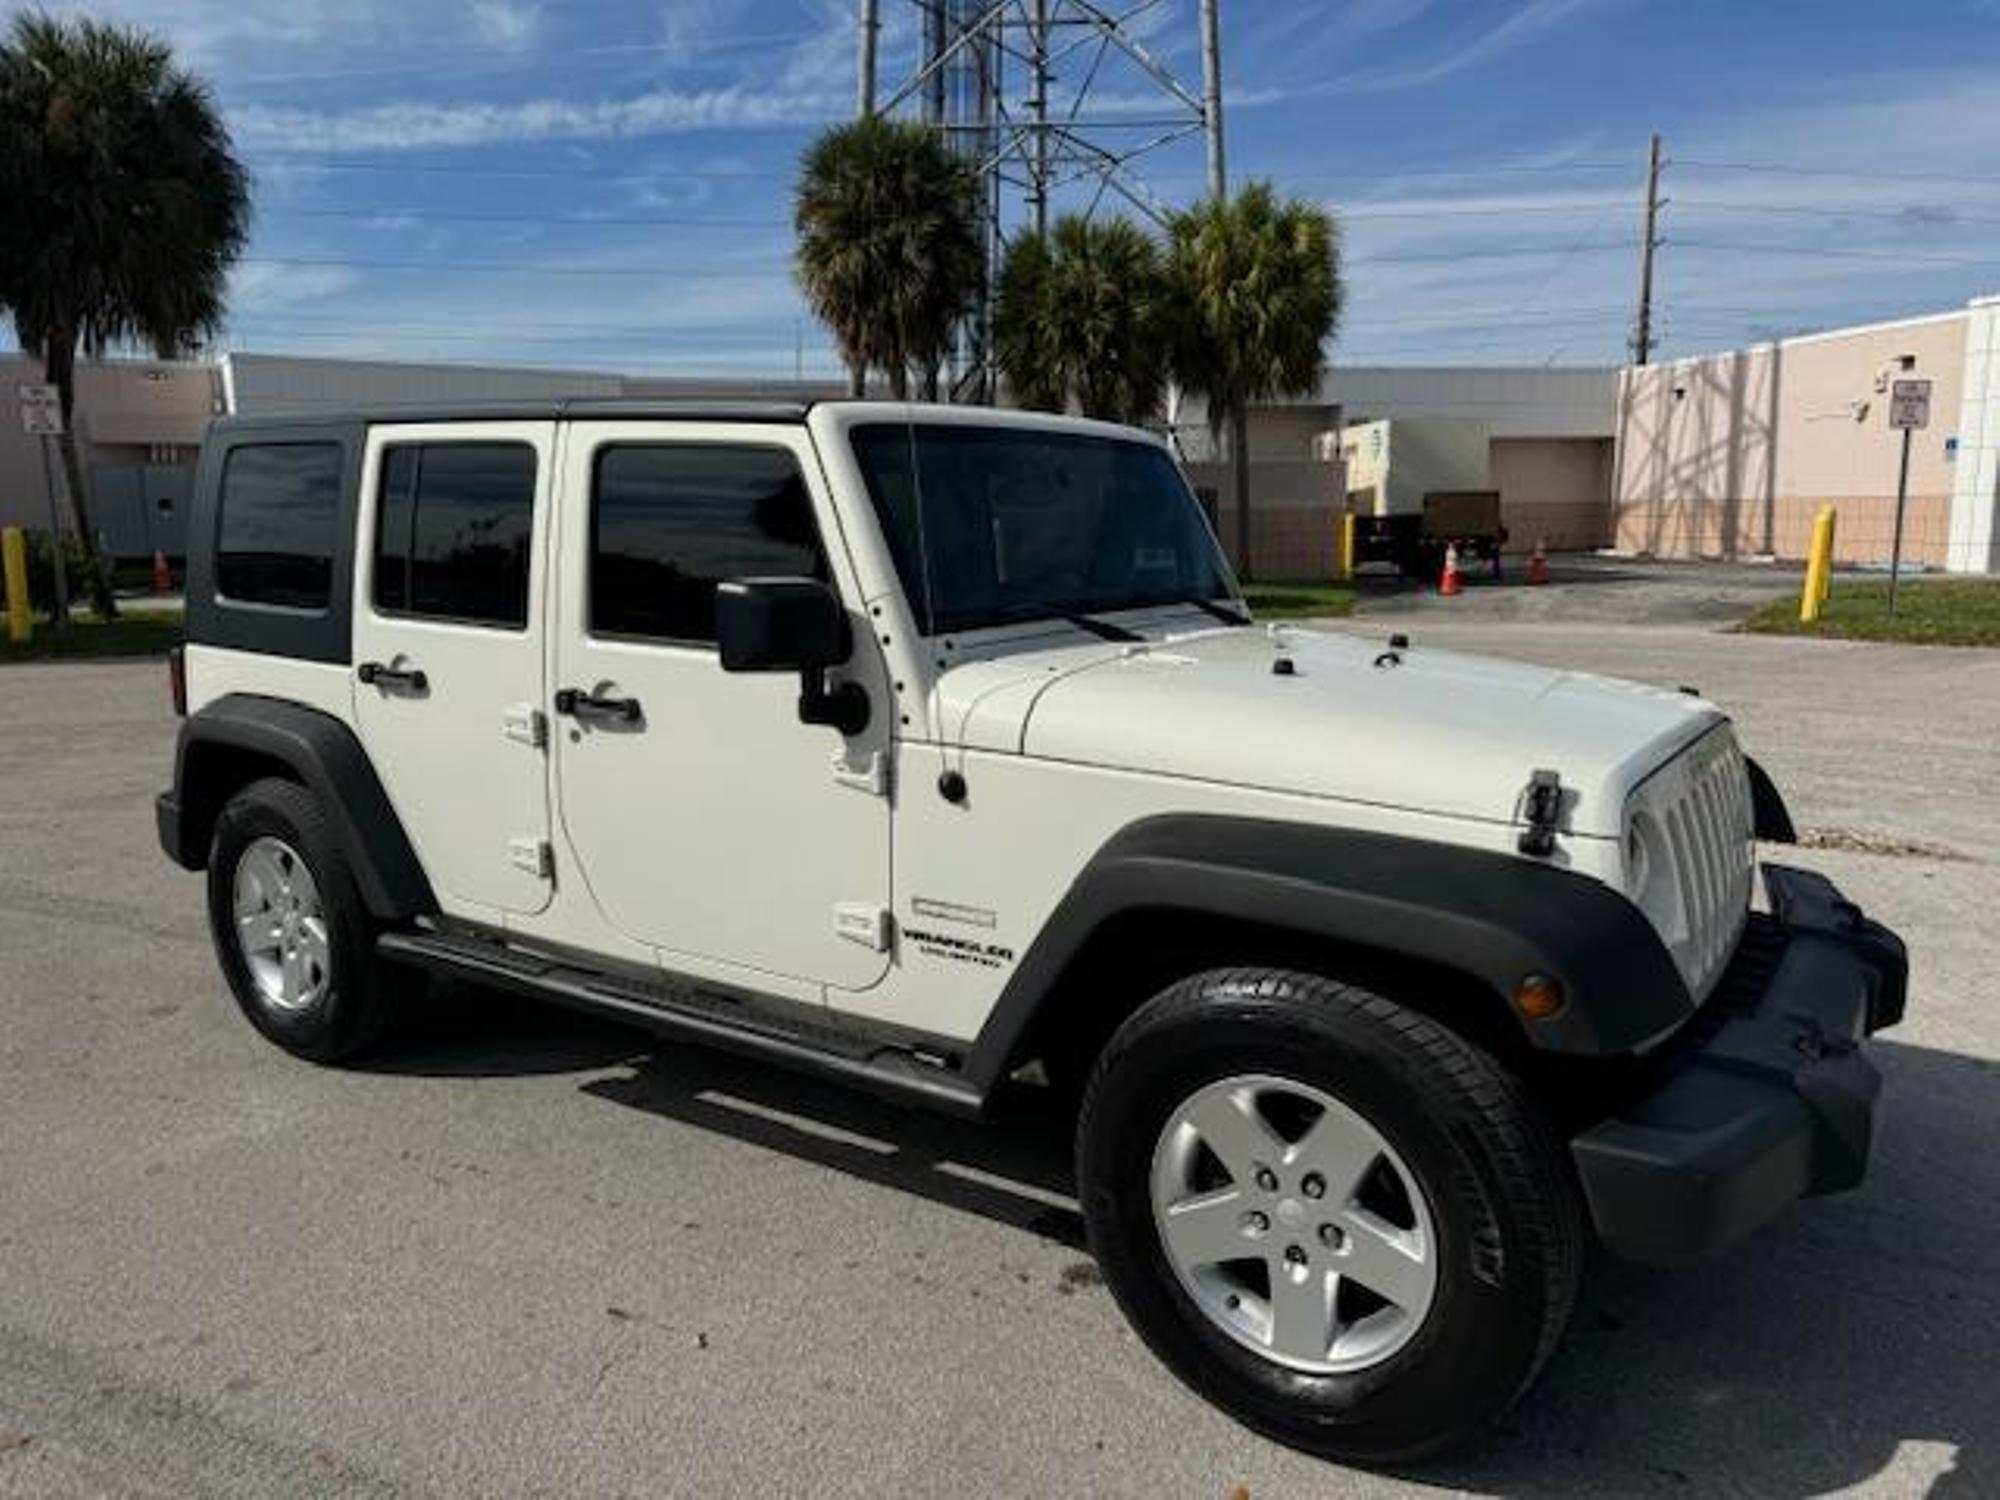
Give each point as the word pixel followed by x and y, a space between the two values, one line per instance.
pixel 280 514
pixel 453 531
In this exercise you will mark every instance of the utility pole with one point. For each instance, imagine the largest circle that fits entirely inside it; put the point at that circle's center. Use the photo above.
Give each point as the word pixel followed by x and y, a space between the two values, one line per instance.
pixel 1642 336
pixel 871 30
pixel 1211 97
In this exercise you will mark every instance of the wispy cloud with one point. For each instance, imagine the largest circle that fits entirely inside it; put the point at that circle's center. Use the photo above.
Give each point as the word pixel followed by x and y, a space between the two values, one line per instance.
pixel 412 125
pixel 1520 26
pixel 262 287
pixel 506 25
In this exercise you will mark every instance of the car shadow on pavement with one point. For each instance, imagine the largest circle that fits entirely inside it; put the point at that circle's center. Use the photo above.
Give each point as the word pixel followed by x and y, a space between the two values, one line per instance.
pixel 1013 1169
pixel 457 1030
pixel 1857 1333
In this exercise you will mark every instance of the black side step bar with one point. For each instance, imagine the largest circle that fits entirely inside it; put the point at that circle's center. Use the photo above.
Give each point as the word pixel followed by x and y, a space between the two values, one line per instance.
pixel 890 1072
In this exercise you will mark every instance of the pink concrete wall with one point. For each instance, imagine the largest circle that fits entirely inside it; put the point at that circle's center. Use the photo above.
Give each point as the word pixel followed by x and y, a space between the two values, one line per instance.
pixel 1732 455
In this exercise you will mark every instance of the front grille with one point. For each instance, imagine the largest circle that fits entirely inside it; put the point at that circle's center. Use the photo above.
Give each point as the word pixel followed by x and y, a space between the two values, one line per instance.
pixel 1701 801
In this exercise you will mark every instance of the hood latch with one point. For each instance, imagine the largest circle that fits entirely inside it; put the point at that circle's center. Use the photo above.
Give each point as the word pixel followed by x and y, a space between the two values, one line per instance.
pixel 1541 809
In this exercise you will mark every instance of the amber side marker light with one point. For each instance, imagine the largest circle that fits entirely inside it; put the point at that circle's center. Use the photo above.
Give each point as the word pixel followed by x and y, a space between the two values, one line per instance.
pixel 1539 997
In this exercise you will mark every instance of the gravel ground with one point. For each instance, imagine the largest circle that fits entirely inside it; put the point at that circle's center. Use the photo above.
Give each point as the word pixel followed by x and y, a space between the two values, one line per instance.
pixel 530 1254
pixel 1586 588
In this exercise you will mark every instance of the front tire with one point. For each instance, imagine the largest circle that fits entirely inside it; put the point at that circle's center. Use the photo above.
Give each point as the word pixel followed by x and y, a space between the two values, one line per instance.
pixel 293 936
pixel 1327 1213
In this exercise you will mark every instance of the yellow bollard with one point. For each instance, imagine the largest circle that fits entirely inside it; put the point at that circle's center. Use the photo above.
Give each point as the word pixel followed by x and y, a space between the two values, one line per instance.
pixel 1819 567
pixel 1344 566
pixel 14 557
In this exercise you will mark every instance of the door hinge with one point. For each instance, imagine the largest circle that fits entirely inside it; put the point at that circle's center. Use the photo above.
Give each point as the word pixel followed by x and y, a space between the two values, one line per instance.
pixel 871 776
pixel 525 724
pixel 532 855
pixel 862 922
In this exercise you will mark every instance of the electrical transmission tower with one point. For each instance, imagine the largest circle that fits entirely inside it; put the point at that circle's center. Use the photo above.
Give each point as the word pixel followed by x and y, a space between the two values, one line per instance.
pixel 1052 101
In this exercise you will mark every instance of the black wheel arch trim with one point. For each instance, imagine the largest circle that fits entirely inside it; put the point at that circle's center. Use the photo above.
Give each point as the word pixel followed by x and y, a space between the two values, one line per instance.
pixel 1770 819
pixel 1491 916
pixel 324 755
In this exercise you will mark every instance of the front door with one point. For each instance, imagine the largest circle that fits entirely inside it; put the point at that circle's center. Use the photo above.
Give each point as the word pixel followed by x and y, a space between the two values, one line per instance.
pixel 448 650
pixel 707 821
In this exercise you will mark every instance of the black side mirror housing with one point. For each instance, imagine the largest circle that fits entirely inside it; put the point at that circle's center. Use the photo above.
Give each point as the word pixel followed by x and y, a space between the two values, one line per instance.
pixel 779 625
pixel 792 625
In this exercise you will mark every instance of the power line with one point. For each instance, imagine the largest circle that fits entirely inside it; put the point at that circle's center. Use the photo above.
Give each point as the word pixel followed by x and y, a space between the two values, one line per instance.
pixel 432 215
pixel 528 268
pixel 553 330
pixel 710 273
pixel 1859 173
pixel 1389 173
pixel 568 173
pixel 498 335
pixel 1943 219
pixel 1495 253
pixel 1838 252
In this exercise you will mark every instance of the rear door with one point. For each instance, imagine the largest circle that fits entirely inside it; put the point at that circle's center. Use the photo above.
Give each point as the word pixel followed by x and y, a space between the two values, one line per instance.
pixel 706 819
pixel 448 646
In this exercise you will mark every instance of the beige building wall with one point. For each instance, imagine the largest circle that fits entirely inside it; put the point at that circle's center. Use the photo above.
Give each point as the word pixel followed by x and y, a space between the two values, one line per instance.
pixel 128 413
pixel 1732 455
pixel 1554 490
pixel 1292 515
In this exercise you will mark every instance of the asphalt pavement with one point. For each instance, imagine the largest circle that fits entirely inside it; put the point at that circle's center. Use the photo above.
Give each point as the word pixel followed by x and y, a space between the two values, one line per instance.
pixel 523 1253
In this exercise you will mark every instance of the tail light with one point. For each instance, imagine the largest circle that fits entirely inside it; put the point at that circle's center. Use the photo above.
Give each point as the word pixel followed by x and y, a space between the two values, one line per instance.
pixel 177 679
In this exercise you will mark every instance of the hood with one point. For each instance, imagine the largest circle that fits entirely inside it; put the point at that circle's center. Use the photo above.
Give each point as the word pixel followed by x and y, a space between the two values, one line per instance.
pixel 1432 731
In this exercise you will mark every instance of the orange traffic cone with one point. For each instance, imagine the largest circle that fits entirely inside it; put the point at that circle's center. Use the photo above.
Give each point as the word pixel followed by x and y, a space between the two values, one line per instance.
pixel 1538 563
pixel 163 576
pixel 1453 581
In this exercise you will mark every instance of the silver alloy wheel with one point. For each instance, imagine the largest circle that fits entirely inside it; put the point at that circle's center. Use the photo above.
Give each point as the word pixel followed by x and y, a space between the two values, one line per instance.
pixel 1293 1224
pixel 281 926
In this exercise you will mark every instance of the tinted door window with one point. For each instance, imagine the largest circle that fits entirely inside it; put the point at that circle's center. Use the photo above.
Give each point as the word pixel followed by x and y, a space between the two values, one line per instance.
pixel 671 521
pixel 453 531
pixel 280 509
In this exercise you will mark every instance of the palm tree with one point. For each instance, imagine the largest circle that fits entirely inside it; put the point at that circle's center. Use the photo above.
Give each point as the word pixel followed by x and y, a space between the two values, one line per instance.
pixel 1257 293
pixel 125 208
pixel 891 247
pixel 1081 317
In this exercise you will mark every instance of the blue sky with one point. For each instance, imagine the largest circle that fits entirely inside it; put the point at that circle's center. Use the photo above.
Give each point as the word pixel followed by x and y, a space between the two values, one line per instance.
pixel 607 185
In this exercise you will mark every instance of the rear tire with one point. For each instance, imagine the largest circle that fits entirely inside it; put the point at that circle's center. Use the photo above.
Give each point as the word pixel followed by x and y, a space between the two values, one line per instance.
pixel 295 941
pixel 1348 1126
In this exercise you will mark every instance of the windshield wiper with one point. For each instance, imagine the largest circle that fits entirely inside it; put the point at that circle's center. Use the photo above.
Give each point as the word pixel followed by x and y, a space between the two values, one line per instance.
pixel 1104 630
pixel 1210 607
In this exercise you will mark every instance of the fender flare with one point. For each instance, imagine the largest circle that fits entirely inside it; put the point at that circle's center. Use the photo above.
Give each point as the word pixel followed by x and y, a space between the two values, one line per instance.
pixel 320 752
pixel 1495 917
pixel 1771 819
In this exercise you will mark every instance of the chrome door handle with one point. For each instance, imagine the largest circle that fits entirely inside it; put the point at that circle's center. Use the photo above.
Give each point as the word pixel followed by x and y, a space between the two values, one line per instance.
pixel 578 704
pixel 393 679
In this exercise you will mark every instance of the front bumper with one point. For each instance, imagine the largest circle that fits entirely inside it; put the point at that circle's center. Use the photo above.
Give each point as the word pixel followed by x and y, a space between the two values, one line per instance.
pixel 1767 1097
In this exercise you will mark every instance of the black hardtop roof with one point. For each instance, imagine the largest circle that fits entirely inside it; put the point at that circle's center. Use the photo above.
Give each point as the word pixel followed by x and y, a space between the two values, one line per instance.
pixel 551 410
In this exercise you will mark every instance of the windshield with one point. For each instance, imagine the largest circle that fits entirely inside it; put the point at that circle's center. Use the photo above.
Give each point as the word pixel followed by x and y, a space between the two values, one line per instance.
pixel 1020 524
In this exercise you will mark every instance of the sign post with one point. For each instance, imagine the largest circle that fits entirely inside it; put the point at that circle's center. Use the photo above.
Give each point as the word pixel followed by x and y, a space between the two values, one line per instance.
pixel 1909 411
pixel 41 416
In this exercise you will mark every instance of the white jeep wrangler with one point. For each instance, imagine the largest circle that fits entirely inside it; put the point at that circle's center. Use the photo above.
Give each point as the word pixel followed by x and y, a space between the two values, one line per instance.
pixel 916 745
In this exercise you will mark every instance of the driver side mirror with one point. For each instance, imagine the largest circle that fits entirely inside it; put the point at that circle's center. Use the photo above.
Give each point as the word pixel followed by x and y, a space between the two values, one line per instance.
pixel 792 625
pixel 779 625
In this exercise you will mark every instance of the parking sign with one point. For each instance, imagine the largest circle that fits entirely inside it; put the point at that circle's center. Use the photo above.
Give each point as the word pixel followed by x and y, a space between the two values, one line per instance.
pixel 1910 405
pixel 41 410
